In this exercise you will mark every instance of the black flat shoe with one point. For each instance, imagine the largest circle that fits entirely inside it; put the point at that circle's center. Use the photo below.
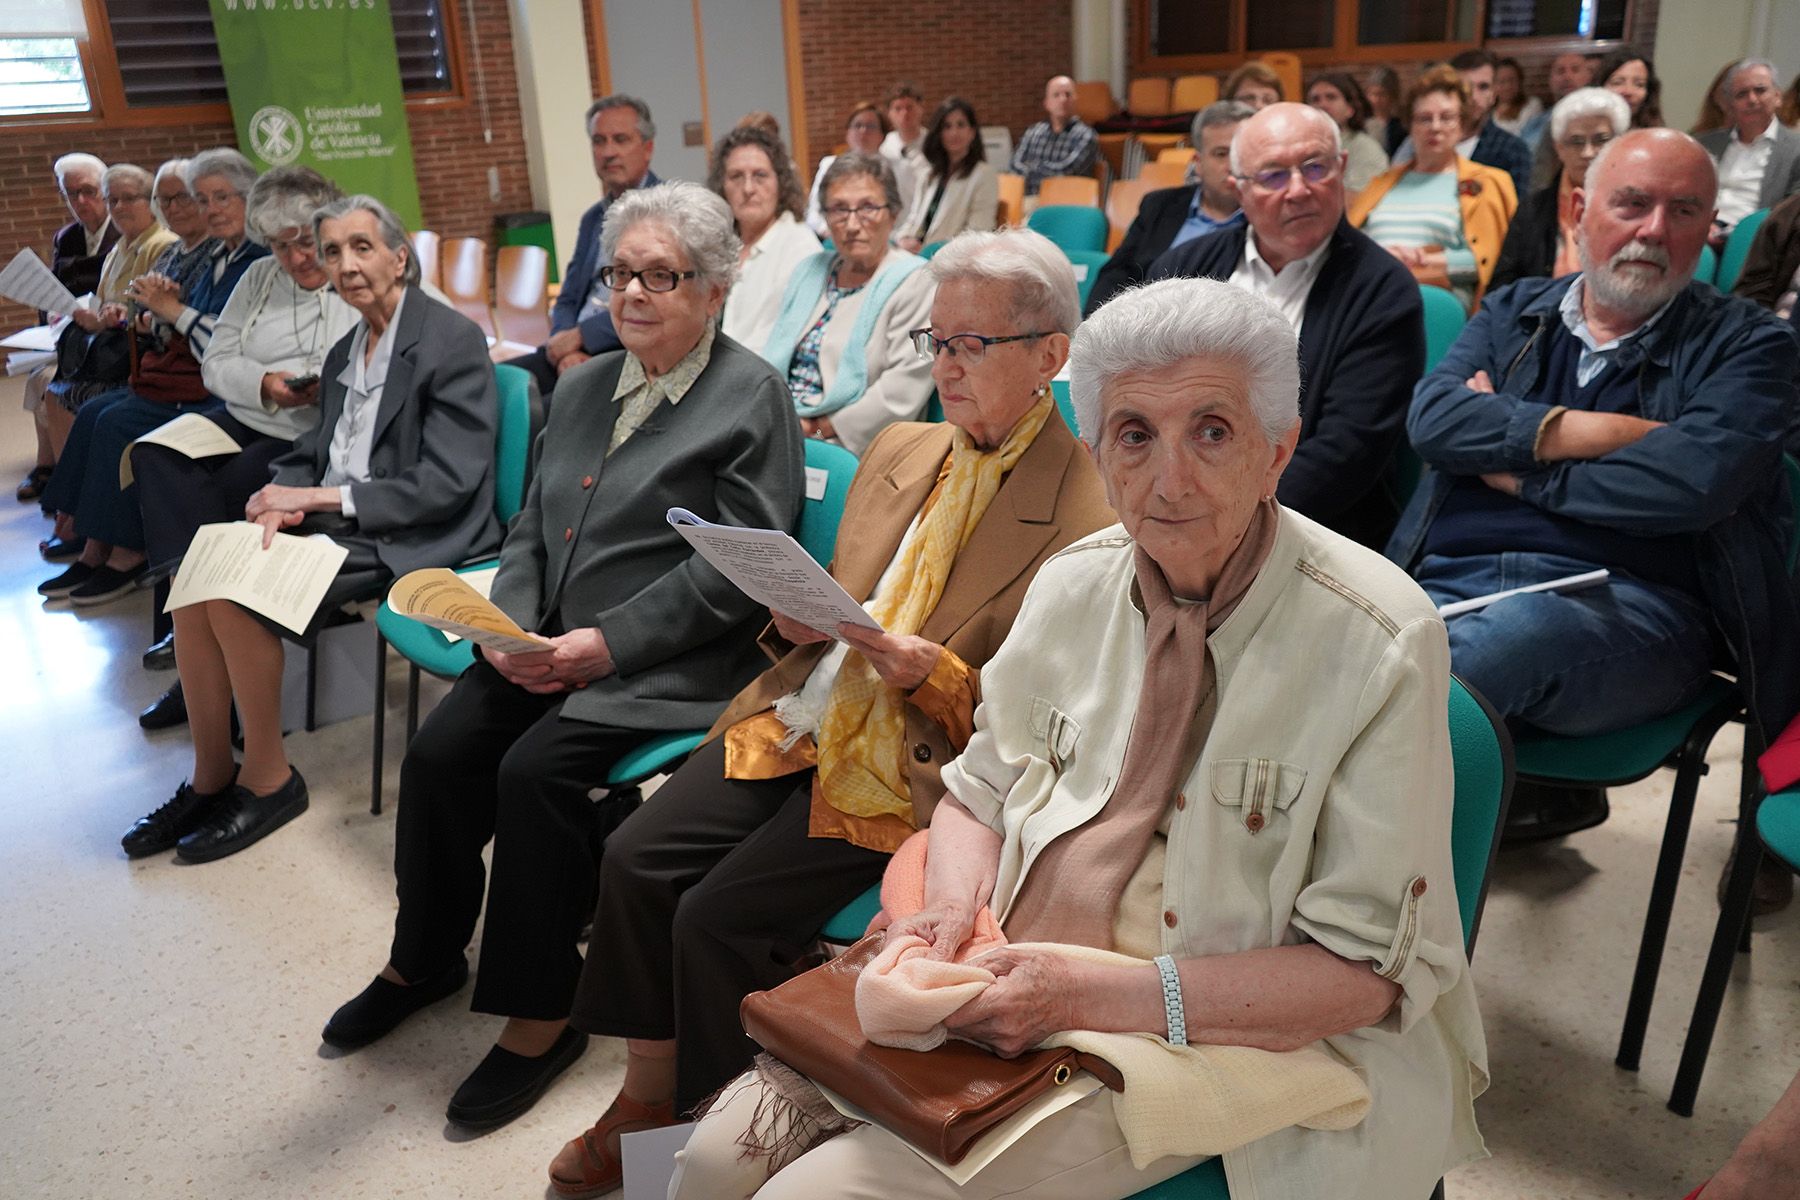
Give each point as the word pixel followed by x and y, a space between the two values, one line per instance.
pixel 243 819
pixel 105 585
pixel 379 1008
pixel 506 1085
pixel 1540 812
pixel 161 656
pixel 173 821
pixel 58 549
pixel 58 587
pixel 33 485
pixel 167 710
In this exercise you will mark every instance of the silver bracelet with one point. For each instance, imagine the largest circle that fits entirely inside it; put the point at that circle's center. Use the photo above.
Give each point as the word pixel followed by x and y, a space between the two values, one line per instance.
pixel 1172 1006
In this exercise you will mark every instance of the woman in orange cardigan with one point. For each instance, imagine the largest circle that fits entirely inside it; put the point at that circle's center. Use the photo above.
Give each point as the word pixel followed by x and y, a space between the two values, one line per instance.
pixel 1441 215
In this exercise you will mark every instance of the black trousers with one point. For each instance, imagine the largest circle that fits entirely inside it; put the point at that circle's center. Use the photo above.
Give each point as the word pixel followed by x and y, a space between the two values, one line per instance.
pixel 710 891
pixel 494 761
pixel 180 494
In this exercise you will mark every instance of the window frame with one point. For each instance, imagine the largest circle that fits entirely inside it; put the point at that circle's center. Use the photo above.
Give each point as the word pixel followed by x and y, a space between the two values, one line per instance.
pixel 108 108
pixel 1345 48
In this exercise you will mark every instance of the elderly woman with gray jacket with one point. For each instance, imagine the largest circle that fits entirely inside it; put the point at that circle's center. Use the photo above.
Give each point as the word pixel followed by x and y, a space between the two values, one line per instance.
pixel 642 636
pixel 1210 842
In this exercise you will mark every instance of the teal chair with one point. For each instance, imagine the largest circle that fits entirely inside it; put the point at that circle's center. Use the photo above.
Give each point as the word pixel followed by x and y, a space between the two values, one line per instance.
pixel 1065 404
pixel 934 409
pixel 423 647
pixel 1482 753
pixel 1708 270
pixel 1087 264
pixel 1444 321
pixel 929 249
pixel 1071 226
pixel 1737 249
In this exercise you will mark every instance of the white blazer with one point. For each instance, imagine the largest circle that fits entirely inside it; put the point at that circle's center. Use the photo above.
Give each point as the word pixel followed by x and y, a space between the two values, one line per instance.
pixel 755 298
pixel 970 201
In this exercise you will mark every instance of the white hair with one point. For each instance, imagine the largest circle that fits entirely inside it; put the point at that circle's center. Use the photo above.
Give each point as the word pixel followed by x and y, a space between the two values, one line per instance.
pixel 697 216
pixel 176 167
pixel 1174 321
pixel 77 162
pixel 1038 275
pixel 1589 102
pixel 125 173
pixel 1307 112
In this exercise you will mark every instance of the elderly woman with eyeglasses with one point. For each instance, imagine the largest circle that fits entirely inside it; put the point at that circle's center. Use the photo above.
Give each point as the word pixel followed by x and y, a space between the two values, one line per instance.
pixel 826 763
pixel 1160 770
pixel 1540 242
pixel 842 336
pixel 165 384
pixel 640 636
pixel 1442 215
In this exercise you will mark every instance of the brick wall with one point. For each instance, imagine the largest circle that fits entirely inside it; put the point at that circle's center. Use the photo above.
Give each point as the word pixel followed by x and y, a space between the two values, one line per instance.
pixel 449 152
pixel 996 55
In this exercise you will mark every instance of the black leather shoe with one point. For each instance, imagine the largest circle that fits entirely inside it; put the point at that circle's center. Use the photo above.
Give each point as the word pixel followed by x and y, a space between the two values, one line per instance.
pixel 167 710
pixel 58 587
pixel 506 1085
pixel 243 819
pixel 173 821
pixel 161 655
pixel 379 1008
pixel 1542 811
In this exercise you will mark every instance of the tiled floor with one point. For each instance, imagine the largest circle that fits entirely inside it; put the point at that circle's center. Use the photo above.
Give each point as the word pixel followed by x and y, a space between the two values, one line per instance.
pixel 161 1022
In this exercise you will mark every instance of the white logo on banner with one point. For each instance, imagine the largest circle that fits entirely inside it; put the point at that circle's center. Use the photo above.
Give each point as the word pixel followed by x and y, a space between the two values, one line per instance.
pixel 275 135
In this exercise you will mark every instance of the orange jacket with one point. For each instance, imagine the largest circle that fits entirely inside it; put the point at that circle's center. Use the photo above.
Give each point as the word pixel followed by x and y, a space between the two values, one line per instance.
pixel 1488 203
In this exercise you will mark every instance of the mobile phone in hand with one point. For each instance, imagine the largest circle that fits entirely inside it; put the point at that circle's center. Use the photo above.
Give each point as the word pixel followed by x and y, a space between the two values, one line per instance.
pixel 297 383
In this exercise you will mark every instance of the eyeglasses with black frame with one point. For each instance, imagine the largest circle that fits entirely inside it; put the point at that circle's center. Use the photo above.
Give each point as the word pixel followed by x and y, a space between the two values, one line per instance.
pixel 865 213
pixel 654 279
pixel 970 347
pixel 1312 172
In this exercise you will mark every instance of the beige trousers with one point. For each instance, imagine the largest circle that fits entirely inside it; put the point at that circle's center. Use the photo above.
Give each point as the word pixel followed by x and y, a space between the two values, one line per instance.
pixel 1076 1154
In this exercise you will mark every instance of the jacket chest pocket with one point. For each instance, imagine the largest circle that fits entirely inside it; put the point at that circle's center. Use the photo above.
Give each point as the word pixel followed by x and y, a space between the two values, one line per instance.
pixel 1054 732
pixel 1256 787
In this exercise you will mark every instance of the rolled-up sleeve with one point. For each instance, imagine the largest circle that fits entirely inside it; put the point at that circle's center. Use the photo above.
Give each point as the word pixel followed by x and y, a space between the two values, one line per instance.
pixel 1382 889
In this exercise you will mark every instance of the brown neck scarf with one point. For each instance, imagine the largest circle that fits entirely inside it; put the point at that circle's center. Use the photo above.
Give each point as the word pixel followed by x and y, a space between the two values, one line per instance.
pixel 1072 892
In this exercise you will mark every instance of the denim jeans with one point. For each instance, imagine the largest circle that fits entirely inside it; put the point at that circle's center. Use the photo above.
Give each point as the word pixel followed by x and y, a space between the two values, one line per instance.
pixel 1575 663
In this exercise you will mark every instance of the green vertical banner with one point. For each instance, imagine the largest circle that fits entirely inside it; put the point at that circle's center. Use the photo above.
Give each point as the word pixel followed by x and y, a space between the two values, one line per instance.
pixel 317 82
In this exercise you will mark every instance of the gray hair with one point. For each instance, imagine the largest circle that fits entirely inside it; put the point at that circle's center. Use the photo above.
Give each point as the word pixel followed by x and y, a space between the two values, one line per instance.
pixel 176 167
pixel 852 165
pixel 699 219
pixel 646 127
pixel 1316 116
pixel 126 173
pixel 286 198
pixel 1738 68
pixel 77 162
pixel 393 233
pixel 1589 102
pixel 1219 112
pixel 224 161
pixel 1037 274
pixel 1173 321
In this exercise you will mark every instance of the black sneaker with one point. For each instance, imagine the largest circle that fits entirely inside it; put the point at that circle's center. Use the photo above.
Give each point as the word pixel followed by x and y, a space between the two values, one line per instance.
pixel 59 586
pixel 105 585
pixel 173 821
pixel 242 819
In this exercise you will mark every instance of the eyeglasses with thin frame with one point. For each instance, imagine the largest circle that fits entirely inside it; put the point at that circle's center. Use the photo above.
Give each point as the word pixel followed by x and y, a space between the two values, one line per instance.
pixel 1312 172
pixel 862 212
pixel 653 279
pixel 178 200
pixel 1577 143
pixel 117 201
pixel 82 193
pixel 970 347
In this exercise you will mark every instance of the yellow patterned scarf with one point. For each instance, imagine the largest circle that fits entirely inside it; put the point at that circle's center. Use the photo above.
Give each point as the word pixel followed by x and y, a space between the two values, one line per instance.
pixel 863 734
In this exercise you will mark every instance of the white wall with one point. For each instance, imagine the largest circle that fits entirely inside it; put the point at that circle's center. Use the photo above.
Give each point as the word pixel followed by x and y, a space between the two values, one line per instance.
pixel 550 54
pixel 1694 38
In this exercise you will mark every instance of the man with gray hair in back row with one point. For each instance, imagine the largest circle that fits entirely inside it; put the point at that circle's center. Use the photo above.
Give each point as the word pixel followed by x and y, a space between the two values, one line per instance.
pixel 1758 156
pixel 622 138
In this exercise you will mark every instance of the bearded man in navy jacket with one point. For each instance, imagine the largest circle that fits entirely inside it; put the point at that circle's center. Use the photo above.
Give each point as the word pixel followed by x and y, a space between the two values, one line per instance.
pixel 1357 310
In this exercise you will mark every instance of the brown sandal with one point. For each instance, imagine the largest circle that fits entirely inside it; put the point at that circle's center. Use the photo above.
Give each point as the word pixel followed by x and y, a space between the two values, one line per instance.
pixel 601 1170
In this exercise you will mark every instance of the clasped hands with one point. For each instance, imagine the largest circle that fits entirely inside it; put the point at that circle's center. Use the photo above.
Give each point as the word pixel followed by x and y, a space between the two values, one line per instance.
pixel 1570 435
pixel 902 660
pixel 568 663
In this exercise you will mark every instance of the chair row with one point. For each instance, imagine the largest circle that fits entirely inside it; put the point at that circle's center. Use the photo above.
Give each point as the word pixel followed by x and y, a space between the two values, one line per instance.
pixel 515 313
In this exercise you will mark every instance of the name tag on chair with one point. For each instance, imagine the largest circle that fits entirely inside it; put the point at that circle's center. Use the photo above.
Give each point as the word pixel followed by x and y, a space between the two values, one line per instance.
pixel 817 480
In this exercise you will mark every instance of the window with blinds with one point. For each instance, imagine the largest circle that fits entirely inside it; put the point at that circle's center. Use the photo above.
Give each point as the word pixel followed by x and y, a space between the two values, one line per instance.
pixel 167 55
pixel 40 61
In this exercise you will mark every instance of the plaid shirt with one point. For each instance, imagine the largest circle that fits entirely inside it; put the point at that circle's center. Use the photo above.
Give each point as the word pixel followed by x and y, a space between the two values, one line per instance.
pixel 1043 152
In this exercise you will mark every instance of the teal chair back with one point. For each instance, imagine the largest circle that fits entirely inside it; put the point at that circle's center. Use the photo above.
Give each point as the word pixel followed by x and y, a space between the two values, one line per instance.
pixel 1087 264
pixel 1737 249
pixel 512 445
pixel 1071 226
pixel 828 472
pixel 934 409
pixel 1708 270
pixel 929 249
pixel 1444 321
pixel 1065 404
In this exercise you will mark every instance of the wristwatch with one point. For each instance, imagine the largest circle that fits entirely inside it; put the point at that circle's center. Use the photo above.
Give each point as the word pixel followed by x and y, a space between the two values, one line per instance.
pixel 1172 1006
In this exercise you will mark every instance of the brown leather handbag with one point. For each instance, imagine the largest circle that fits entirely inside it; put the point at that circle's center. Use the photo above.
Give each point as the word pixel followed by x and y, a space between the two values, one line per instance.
pixel 942 1101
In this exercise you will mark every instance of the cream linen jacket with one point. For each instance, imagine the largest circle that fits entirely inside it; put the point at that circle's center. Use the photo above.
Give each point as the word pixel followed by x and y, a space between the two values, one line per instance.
pixel 1319 810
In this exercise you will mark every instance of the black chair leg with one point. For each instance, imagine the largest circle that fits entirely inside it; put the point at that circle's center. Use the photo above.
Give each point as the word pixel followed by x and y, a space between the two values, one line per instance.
pixel 376 752
pixel 312 688
pixel 412 702
pixel 1734 920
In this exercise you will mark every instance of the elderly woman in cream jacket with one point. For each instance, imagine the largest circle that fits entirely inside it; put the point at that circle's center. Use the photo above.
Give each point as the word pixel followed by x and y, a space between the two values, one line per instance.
pixel 1160 767
pixel 843 338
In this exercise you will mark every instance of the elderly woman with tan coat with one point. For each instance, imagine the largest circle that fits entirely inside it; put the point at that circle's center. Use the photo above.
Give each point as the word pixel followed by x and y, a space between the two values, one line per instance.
pixel 1161 769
